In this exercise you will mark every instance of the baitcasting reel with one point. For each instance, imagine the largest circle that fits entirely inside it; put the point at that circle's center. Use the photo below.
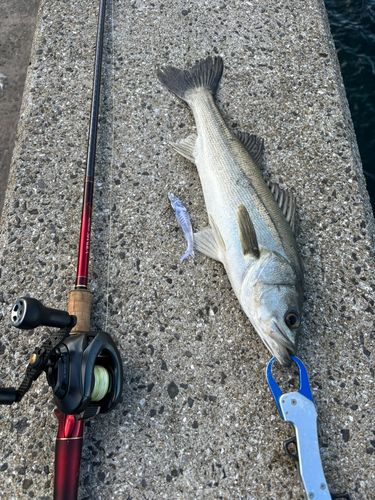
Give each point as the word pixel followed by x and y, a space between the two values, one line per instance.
pixel 84 369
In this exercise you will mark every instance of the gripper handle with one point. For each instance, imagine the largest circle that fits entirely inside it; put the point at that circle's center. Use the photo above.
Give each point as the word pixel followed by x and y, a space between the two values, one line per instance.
pixel 300 411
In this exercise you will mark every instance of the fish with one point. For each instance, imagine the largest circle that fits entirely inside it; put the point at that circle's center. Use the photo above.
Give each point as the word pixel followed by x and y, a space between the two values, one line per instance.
pixel 183 218
pixel 250 220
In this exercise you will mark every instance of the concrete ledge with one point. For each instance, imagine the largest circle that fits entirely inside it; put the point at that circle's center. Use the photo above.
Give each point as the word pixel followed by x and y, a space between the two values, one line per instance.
pixel 197 419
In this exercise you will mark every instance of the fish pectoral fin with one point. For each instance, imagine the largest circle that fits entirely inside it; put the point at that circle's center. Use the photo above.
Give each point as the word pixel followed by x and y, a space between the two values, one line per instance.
pixel 248 237
pixel 205 242
pixel 253 144
pixel 217 233
pixel 285 200
pixel 186 147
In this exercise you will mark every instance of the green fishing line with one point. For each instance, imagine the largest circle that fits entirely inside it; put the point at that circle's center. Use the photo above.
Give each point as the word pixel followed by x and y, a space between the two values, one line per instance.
pixel 101 383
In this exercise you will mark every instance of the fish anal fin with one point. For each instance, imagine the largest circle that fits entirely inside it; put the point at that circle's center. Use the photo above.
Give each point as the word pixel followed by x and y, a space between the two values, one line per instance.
pixel 285 200
pixel 205 242
pixel 186 147
pixel 253 144
pixel 217 233
pixel 248 238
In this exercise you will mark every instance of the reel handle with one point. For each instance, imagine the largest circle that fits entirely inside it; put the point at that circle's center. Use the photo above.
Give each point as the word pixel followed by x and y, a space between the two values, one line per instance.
pixel 8 395
pixel 28 313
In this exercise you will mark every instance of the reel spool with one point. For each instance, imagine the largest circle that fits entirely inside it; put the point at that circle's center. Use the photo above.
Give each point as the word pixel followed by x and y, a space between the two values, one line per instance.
pixel 101 383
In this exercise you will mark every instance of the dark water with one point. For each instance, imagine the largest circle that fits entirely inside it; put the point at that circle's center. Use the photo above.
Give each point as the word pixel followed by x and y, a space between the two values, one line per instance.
pixel 353 29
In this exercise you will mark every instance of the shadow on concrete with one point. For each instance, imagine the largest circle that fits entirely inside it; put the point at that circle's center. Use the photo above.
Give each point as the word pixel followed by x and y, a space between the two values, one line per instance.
pixel 16 34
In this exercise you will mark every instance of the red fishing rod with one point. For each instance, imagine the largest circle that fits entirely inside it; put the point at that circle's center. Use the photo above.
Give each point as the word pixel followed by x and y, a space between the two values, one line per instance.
pixel 83 368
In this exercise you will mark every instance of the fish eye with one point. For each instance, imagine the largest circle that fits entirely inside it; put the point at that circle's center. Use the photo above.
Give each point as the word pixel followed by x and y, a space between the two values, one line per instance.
pixel 292 320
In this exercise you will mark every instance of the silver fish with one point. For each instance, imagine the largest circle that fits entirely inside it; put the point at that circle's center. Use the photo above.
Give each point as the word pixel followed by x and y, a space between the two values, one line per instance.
pixel 183 218
pixel 250 231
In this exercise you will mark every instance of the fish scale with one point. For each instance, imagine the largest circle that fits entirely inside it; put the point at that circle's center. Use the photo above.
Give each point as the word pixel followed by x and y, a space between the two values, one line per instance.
pixel 223 163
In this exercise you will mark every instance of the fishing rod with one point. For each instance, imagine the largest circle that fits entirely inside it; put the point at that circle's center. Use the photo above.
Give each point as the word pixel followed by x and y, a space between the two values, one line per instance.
pixel 83 368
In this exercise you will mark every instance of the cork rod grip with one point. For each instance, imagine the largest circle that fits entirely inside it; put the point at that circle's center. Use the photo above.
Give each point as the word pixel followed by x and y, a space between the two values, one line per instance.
pixel 79 304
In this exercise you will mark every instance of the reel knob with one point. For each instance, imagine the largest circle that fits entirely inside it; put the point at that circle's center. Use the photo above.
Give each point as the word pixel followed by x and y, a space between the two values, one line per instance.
pixel 28 313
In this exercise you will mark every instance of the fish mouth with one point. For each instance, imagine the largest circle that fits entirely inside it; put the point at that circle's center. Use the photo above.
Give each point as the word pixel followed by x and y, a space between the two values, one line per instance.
pixel 280 345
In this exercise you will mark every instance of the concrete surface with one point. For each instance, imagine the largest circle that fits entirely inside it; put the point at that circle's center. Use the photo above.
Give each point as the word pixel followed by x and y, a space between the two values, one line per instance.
pixel 16 34
pixel 197 419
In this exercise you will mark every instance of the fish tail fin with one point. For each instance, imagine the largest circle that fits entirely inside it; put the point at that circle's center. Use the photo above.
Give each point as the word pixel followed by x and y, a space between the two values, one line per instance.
pixel 205 74
pixel 189 251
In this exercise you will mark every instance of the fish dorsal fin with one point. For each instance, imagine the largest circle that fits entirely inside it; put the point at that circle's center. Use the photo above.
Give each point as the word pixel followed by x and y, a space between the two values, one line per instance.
pixel 285 200
pixel 186 147
pixel 217 233
pixel 248 237
pixel 205 242
pixel 253 144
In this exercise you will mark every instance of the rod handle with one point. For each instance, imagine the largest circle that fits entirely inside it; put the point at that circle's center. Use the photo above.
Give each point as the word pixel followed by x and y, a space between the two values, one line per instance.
pixel 79 305
pixel 68 453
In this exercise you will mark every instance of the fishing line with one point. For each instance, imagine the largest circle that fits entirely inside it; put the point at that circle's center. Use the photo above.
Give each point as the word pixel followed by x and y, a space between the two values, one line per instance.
pixel 111 167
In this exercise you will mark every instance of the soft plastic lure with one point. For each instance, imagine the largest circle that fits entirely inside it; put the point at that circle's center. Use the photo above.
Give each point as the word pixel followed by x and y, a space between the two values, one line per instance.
pixel 1 81
pixel 183 218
